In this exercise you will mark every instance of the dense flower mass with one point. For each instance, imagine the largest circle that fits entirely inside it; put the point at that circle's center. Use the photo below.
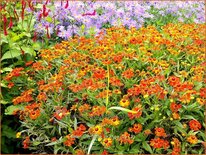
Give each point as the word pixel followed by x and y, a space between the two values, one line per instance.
pixel 124 91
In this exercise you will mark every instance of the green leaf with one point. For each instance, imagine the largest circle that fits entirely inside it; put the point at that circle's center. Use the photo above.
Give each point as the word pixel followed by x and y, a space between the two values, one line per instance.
pixel 26 34
pixel 10 109
pixel 122 109
pixel 147 147
pixel 4 102
pixel 6 69
pixel 3 85
pixel 49 19
pixel 178 124
pixel 91 144
pixel 36 46
pixel 3 39
pixel 56 142
pixel 11 54
pixel 35 143
pixel 39 6
pixel 187 117
pixel 8 132
pixel 29 50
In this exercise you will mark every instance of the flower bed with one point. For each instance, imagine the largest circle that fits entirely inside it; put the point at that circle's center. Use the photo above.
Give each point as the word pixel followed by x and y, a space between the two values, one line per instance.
pixel 123 91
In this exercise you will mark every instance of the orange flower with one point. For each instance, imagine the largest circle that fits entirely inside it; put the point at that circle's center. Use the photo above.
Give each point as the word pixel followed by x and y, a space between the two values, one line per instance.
pixel 61 113
pixel 137 128
pixel 176 143
pixel 129 73
pixel 42 96
pixel 53 139
pixel 26 96
pixel 79 152
pixel 159 143
pixel 33 110
pixel 26 142
pixel 14 73
pixel 203 92
pixel 192 139
pixel 135 115
pixel 175 115
pixel 114 81
pixel 83 108
pixel 10 85
pixel 104 152
pixel 173 80
pixel 97 111
pixel 147 132
pixel 160 132
pixel 176 151
pixel 79 131
pixel 175 107
pixel 34 114
pixel 195 125
pixel 69 140
pixel 125 138
pixel 99 73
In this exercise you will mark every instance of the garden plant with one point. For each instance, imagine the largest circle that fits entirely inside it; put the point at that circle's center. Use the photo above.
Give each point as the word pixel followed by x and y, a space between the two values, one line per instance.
pixel 103 77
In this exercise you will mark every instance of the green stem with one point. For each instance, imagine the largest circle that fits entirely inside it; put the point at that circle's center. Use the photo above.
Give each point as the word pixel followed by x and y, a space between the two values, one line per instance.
pixel 107 99
pixel 29 25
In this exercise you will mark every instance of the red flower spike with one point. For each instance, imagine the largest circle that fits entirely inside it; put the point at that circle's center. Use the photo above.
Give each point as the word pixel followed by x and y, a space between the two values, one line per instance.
pixel 47 32
pixel 67 4
pixel 22 52
pixel 31 5
pixel 39 17
pixel 35 36
pixel 15 14
pixel 44 9
pixel 45 13
pixel 47 2
pixel 2 7
pixel 5 21
pixel 10 23
pixel 23 3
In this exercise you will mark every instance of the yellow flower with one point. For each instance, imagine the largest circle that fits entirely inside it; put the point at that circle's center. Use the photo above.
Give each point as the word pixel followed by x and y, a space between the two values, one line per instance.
pixel 107 142
pixel 96 130
pixel 124 102
pixel 115 121
pixel 146 96
pixel 192 139
pixel 18 134
pixel 200 101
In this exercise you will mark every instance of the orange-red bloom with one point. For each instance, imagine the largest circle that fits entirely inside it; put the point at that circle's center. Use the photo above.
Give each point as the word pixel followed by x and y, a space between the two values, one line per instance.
pixel 175 107
pixel 69 140
pixel 125 138
pixel 160 132
pixel 135 115
pixel 159 143
pixel 195 125
pixel 137 128
pixel 26 142
pixel 173 80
